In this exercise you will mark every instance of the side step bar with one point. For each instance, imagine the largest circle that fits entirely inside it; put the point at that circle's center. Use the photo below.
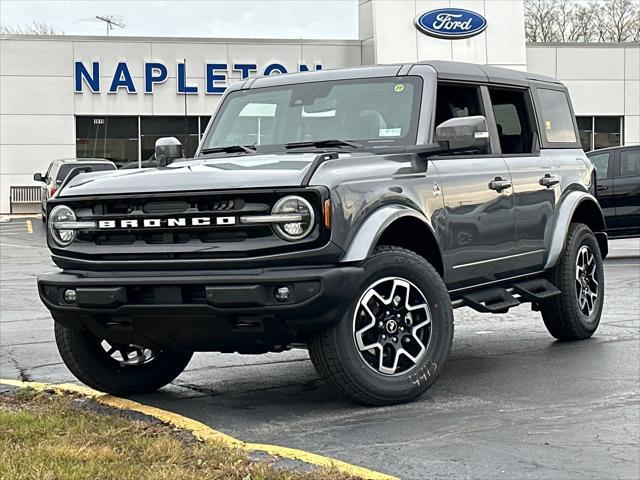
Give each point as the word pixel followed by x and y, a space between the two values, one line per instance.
pixel 501 299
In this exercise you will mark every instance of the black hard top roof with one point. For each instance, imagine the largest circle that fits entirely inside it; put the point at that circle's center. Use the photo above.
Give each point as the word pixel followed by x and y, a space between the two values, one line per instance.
pixel 445 70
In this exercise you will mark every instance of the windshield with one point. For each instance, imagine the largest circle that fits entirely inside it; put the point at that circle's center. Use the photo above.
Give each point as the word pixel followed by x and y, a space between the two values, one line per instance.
pixel 372 111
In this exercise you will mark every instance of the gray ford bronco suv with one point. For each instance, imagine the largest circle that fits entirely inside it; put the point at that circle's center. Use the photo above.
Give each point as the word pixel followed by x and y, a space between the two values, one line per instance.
pixel 347 212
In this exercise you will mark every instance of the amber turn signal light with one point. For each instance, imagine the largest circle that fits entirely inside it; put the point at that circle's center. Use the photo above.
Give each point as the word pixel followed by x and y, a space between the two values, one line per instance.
pixel 327 214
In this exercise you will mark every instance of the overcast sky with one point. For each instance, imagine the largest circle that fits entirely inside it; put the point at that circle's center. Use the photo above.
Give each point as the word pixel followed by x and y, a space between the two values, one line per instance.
pixel 192 18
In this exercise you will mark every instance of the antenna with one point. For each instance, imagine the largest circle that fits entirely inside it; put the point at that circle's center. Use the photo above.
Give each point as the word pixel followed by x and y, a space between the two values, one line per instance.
pixel 111 21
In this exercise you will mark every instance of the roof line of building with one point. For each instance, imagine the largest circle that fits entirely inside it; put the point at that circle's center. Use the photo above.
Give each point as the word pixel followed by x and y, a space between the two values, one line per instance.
pixel 584 44
pixel 103 38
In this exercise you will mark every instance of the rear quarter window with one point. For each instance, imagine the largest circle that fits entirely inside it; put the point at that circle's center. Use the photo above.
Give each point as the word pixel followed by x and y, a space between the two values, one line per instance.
pixel 557 120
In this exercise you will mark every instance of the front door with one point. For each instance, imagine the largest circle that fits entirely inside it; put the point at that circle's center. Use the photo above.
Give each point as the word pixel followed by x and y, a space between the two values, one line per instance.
pixel 479 231
pixel 480 228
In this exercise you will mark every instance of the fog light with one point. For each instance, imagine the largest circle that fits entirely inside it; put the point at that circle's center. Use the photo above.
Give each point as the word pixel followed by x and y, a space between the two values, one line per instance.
pixel 282 294
pixel 69 296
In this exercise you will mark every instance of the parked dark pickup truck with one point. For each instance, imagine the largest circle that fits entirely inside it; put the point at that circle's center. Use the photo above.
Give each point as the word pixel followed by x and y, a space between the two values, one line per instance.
pixel 347 212
pixel 618 191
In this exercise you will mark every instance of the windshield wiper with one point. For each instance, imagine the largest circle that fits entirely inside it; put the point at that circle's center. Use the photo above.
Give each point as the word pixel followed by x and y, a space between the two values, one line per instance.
pixel 323 143
pixel 230 149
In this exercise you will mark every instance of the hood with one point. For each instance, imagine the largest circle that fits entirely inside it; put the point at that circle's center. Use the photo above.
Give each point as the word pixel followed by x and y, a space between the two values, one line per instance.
pixel 227 173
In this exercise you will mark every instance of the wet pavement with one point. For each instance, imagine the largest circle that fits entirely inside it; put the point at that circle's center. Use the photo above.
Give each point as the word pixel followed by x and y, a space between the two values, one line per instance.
pixel 511 403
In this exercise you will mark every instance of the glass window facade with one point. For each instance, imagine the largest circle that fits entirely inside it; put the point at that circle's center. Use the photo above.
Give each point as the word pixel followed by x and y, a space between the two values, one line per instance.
pixel 184 129
pixel 607 132
pixel 113 138
pixel 600 132
pixel 126 139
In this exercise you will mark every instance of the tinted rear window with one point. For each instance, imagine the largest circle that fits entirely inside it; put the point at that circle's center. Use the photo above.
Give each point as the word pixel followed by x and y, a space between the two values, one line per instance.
pixel 67 167
pixel 557 121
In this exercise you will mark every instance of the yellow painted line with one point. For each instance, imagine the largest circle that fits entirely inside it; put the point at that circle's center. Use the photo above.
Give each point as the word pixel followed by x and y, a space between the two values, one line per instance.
pixel 29 226
pixel 202 431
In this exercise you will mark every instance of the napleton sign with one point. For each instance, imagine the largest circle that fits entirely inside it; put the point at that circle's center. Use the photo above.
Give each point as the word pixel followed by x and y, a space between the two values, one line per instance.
pixel 87 75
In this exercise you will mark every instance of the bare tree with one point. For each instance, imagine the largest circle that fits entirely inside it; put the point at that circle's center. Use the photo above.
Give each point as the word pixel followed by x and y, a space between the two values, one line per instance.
pixel 621 20
pixel 570 21
pixel 582 25
pixel 540 25
pixel 33 28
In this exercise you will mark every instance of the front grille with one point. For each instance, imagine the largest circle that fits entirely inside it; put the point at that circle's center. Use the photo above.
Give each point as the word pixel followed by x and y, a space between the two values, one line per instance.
pixel 169 208
pixel 189 242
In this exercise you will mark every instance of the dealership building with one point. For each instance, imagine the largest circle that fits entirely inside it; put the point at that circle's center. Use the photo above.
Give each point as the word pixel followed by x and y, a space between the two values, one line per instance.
pixel 112 97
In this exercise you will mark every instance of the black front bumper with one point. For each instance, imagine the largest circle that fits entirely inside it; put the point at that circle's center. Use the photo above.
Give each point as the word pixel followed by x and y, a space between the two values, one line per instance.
pixel 230 310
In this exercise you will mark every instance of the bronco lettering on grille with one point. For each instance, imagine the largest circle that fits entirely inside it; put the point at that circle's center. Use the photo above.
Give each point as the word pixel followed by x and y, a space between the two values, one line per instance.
pixel 166 222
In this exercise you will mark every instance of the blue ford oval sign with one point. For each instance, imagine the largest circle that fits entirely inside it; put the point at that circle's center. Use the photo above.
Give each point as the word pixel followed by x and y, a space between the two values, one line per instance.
pixel 451 23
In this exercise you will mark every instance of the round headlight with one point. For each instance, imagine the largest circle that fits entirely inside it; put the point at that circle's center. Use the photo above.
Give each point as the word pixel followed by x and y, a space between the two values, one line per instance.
pixel 62 213
pixel 294 205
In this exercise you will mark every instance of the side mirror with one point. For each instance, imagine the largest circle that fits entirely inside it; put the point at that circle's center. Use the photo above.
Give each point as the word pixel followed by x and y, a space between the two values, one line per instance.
pixel 167 150
pixel 464 133
pixel 38 177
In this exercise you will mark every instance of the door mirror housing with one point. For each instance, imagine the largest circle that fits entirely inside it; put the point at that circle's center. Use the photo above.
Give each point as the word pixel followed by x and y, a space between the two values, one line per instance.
pixel 38 177
pixel 464 133
pixel 167 150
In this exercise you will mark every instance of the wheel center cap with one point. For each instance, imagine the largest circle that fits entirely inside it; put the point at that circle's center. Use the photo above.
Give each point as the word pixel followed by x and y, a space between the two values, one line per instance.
pixel 391 326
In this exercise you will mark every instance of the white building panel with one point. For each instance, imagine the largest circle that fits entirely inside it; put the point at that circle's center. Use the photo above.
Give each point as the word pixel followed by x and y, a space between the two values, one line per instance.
pixel 37 129
pixel 505 33
pixel 590 63
pixel 32 159
pixel 609 99
pixel 36 95
pixel 632 130
pixel 121 103
pixel 331 56
pixel 632 62
pixel 542 60
pixel 44 58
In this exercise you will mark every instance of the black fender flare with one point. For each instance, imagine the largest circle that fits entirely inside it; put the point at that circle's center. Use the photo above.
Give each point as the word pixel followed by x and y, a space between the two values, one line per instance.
pixel 370 231
pixel 566 210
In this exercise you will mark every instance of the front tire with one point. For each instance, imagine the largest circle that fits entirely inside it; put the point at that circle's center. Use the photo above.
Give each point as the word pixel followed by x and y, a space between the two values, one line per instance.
pixel 392 343
pixel 117 369
pixel 579 274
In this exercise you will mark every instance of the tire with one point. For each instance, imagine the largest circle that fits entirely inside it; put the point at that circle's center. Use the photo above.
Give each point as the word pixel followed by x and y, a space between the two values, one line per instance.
pixel 566 316
pixel 357 372
pixel 90 362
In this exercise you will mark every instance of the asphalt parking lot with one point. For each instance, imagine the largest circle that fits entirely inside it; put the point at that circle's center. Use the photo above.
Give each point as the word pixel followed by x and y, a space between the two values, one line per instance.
pixel 512 403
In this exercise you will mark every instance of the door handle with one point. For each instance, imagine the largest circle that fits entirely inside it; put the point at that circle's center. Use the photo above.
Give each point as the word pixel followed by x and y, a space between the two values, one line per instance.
pixel 549 180
pixel 499 184
pixel 602 188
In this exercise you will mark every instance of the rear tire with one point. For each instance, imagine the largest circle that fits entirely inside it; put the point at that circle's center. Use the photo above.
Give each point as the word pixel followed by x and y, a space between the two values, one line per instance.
pixel 134 370
pixel 392 343
pixel 579 274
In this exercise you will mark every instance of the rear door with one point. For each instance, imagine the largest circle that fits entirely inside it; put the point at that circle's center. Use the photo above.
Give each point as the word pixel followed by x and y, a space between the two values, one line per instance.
pixel 626 185
pixel 479 231
pixel 535 176
pixel 604 163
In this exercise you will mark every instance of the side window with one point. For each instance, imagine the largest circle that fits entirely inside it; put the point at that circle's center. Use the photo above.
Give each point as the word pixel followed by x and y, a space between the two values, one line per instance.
pixel 557 121
pixel 514 121
pixel 601 162
pixel 630 163
pixel 455 101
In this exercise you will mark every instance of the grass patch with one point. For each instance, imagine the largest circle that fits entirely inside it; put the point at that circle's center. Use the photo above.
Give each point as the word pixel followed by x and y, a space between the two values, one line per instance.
pixel 47 436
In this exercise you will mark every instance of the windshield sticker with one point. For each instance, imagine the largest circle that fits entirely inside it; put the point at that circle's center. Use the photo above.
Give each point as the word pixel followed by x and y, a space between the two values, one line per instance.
pixel 390 132
pixel 399 88
pixel 548 125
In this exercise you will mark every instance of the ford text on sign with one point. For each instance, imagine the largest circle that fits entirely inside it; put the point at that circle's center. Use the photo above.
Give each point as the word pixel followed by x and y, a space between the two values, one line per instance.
pixel 451 23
